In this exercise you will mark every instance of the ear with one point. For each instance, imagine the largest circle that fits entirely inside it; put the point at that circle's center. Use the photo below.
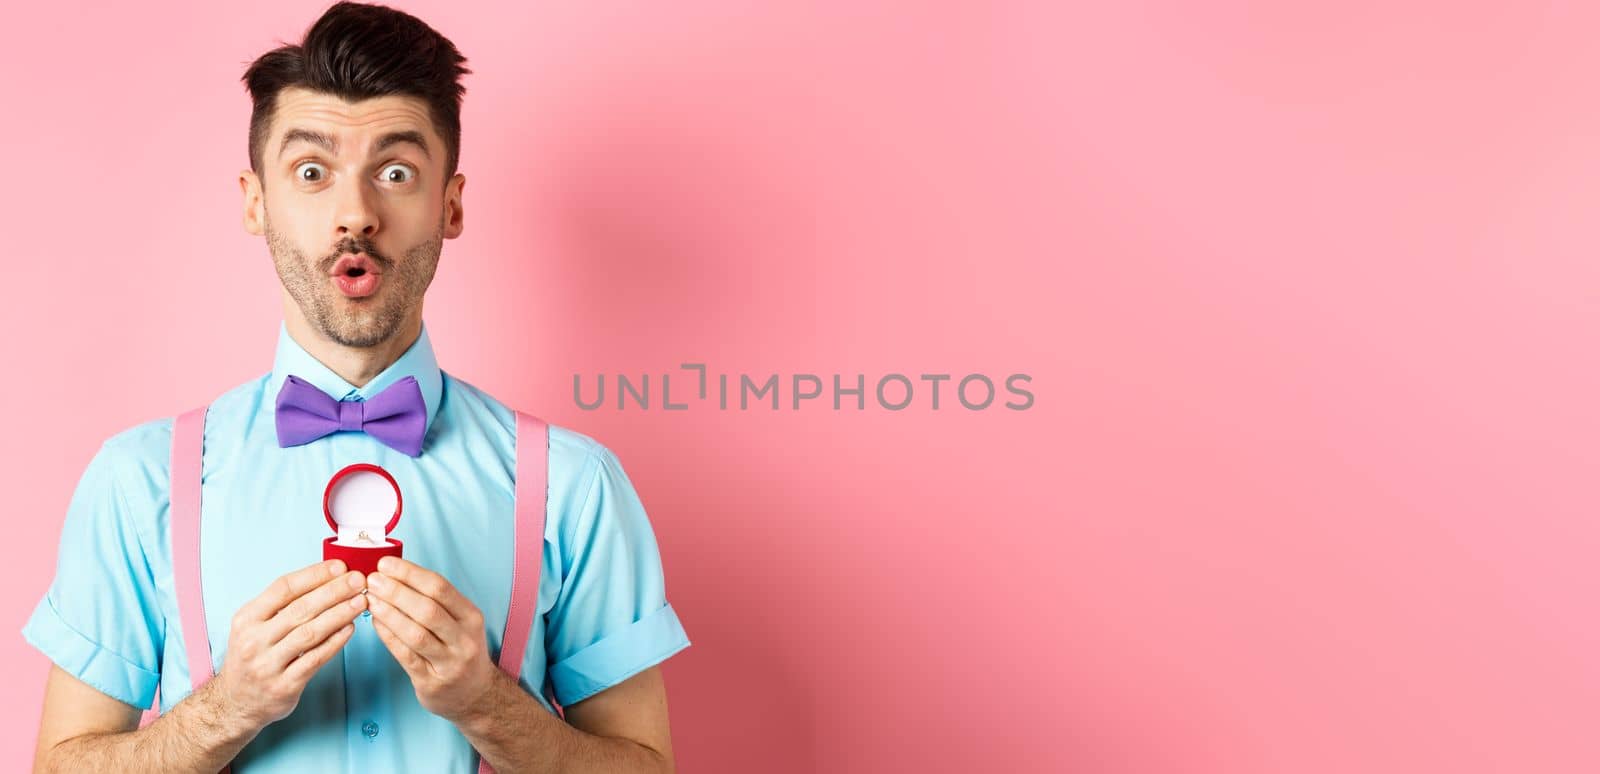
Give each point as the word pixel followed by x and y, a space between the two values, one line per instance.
pixel 453 216
pixel 255 205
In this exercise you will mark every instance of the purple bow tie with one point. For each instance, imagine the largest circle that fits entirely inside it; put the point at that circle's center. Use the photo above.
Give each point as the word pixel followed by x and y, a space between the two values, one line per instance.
pixel 397 416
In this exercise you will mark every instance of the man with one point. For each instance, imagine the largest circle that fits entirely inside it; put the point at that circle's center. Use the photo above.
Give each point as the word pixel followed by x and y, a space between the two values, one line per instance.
pixel 354 142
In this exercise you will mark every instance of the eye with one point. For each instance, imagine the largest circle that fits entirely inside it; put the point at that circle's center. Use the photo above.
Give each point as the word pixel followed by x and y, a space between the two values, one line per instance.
pixel 397 173
pixel 310 172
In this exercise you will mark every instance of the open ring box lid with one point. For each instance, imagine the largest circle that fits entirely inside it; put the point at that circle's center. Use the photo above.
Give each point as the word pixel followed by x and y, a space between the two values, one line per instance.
pixel 362 498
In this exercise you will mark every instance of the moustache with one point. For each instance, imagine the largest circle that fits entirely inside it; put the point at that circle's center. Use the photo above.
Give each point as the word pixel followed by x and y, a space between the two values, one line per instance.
pixel 356 246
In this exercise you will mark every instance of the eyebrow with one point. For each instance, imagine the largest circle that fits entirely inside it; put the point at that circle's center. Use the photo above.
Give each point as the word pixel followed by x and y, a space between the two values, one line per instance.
pixel 412 136
pixel 331 145
pixel 320 139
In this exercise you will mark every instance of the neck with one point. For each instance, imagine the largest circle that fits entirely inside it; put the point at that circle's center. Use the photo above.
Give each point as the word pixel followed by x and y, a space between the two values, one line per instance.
pixel 356 365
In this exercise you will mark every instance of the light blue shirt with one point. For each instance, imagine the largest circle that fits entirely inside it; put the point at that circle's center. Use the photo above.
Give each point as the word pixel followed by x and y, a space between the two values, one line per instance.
pixel 108 616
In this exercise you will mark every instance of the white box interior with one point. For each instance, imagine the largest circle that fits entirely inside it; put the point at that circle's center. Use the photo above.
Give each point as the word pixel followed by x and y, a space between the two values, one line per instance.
pixel 362 503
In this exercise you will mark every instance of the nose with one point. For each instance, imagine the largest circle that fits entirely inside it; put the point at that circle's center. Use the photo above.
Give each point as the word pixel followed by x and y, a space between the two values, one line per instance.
pixel 357 214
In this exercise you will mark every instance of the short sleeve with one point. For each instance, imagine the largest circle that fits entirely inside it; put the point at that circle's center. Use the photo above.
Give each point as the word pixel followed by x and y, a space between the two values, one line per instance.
pixel 100 619
pixel 611 619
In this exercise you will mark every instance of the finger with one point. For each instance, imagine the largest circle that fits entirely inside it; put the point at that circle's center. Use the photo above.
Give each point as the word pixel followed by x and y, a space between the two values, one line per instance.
pixel 288 588
pixel 312 604
pixel 417 606
pixel 414 664
pixel 425 581
pixel 308 635
pixel 413 635
pixel 301 669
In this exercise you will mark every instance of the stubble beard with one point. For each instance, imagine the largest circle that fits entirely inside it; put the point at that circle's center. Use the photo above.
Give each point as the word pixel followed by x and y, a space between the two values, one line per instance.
pixel 351 322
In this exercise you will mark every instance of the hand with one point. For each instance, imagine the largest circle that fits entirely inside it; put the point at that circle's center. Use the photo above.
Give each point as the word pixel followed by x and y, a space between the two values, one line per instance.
pixel 435 633
pixel 282 637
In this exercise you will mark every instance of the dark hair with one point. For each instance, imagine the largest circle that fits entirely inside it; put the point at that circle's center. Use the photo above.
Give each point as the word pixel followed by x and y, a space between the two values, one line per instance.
pixel 358 51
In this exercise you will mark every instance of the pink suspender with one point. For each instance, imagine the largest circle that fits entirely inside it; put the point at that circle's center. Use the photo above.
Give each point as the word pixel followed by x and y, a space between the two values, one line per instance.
pixel 188 437
pixel 528 550
pixel 188 434
pixel 528 555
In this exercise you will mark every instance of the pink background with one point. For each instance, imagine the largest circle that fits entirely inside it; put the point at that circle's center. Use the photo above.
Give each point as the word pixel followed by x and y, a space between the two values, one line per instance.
pixel 1309 297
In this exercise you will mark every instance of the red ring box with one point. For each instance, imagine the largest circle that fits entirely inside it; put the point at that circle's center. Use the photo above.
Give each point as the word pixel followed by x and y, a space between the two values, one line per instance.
pixel 362 494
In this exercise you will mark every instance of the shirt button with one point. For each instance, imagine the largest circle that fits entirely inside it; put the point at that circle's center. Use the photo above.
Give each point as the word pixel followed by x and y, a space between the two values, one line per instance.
pixel 370 729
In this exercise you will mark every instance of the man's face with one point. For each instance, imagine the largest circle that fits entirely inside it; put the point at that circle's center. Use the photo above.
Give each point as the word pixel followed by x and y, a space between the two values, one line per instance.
pixel 352 199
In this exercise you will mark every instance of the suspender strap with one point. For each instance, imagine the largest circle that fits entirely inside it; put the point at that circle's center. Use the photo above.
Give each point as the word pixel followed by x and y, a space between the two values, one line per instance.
pixel 533 444
pixel 188 438
pixel 533 449
pixel 187 435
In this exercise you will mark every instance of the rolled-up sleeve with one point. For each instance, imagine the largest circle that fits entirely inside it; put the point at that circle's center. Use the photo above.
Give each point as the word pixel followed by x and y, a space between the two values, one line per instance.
pixel 611 619
pixel 100 619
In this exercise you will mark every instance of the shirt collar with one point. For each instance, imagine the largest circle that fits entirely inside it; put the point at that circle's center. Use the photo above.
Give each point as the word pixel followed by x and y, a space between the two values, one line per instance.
pixel 417 361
